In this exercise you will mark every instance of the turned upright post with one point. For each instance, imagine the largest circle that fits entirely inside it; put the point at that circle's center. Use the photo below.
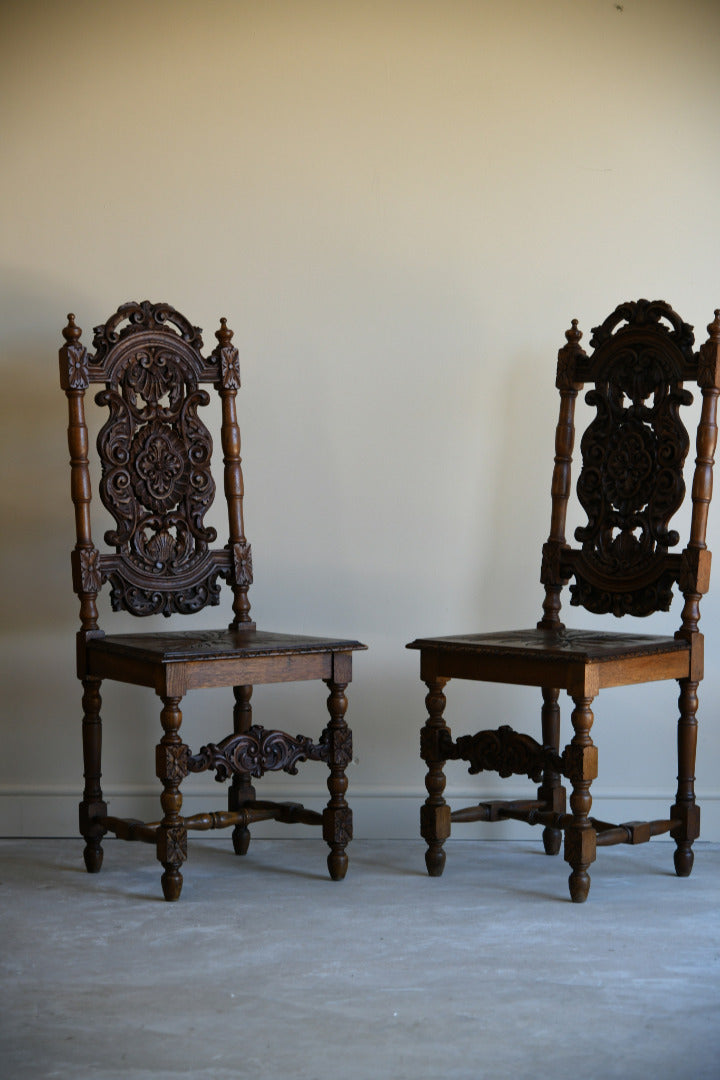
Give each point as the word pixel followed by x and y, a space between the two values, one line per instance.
pixel 240 551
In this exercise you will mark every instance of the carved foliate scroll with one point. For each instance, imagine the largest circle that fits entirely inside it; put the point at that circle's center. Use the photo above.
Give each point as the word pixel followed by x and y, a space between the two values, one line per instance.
pixel 503 751
pixel 156 461
pixel 631 482
pixel 142 317
pixel 257 751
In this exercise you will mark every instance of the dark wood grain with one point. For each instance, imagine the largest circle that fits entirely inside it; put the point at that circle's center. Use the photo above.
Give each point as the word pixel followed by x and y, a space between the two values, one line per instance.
pixel 629 562
pixel 155 479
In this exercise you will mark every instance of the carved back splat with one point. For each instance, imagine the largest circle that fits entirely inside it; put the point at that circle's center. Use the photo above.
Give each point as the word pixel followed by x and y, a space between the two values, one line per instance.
pixel 155 453
pixel 633 452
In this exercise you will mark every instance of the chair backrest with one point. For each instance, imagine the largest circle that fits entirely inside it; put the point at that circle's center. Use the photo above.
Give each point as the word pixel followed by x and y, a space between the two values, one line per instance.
pixel 633 450
pixel 155 454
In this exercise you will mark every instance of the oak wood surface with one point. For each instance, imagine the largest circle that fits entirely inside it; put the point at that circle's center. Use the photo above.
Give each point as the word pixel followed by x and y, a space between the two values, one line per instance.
pixel 628 562
pixel 155 480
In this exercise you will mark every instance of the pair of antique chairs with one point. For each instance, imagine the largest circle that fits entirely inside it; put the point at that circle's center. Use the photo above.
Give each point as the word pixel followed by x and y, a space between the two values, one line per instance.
pixel 156 483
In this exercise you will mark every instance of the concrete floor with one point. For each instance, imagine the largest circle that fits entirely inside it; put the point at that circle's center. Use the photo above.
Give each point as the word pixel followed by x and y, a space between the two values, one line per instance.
pixel 267 969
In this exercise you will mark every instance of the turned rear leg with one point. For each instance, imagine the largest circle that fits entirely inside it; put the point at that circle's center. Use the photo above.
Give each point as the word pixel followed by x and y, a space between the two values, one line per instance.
pixel 92 806
pixel 435 813
pixel 551 792
pixel 241 790
pixel 685 807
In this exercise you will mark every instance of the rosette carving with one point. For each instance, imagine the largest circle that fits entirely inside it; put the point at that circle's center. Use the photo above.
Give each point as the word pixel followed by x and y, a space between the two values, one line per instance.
pixel 633 452
pixel 156 483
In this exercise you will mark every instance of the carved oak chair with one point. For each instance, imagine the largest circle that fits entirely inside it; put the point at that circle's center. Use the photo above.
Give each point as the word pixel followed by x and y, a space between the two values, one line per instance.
pixel 630 486
pixel 156 482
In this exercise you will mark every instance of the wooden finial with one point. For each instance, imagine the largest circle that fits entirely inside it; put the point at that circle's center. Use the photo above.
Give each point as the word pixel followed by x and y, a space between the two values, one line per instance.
pixel 573 335
pixel 714 328
pixel 224 334
pixel 71 332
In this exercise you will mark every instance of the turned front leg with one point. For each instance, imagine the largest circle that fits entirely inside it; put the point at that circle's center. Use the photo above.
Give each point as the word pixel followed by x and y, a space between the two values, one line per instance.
pixel 580 761
pixel 241 790
pixel 435 813
pixel 685 807
pixel 337 815
pixel 171 768
pixel 92 806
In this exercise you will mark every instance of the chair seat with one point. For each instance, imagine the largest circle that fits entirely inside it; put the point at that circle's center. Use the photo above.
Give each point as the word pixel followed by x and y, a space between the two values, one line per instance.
pixel 215 657
pixel 586 645
pixel 186 645
pixel 541 657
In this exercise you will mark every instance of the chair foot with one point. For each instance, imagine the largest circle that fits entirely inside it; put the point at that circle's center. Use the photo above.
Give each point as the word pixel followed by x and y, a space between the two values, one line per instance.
pixel 240 840
pixel 552 840
pixel 435 860
pixel 683 857
pixel 337 864
pixel 579 882
pixel 171 882
pixel 93 856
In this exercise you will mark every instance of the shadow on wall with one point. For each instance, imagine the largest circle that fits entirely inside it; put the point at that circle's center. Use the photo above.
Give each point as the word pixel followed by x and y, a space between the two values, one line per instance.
pixel 520 478
pixel 38 533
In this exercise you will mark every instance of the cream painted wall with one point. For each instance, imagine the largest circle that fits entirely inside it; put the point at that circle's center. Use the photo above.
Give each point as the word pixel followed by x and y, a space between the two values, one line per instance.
pixel 399 207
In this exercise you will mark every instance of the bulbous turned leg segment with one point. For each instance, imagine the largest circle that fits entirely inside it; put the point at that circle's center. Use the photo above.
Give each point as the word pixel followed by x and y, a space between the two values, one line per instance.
pixel 435 812
pixel 435 858
pixel 240 840
pixel 684 857
pixel 93 856
pixel 579 882
pixel 552 840
pixel 337 862
pixel 171 882
pixel 337 815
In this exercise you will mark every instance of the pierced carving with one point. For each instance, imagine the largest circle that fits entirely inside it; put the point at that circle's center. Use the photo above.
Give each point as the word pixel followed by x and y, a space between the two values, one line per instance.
pixel 504 751
pixel 156 483
pixel 644 313
pixel 258 751
pixel 631 483
pixel 141 316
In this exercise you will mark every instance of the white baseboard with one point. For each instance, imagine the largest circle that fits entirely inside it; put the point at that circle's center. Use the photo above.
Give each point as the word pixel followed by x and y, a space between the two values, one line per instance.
pixel 378 813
